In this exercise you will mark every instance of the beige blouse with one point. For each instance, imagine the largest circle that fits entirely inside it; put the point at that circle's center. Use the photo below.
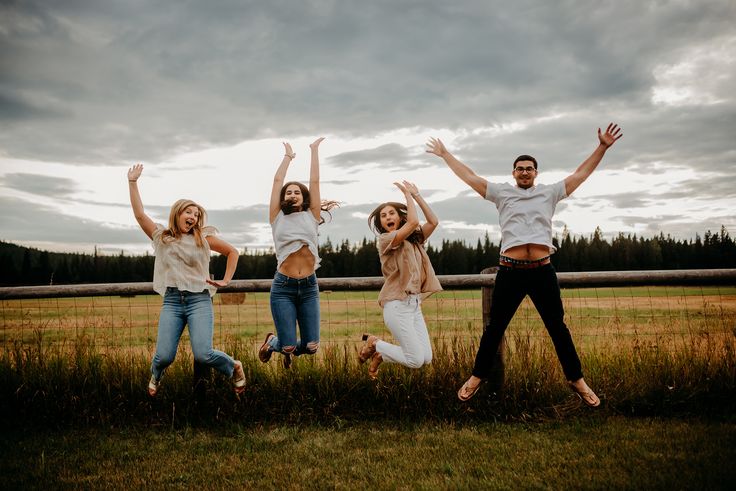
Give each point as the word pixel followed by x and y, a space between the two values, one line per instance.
pixel 406 269
pixel 180 263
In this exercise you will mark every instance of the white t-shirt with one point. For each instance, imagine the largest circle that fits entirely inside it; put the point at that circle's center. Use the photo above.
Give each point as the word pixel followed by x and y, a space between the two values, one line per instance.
pixel 180 263
pixel 525 215
pixel 292 232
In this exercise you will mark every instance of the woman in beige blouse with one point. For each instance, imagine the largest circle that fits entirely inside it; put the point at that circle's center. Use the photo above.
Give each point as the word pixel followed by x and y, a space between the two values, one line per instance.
pixel 409 277
pixel 181 276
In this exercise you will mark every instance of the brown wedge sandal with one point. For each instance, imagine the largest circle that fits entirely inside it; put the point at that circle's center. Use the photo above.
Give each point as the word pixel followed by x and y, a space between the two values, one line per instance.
pixel 264 352
pixel 376 361
pixel 368 349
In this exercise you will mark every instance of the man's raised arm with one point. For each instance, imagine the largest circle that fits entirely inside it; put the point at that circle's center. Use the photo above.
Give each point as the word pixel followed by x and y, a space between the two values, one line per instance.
pixel 584 170
pixel 435 146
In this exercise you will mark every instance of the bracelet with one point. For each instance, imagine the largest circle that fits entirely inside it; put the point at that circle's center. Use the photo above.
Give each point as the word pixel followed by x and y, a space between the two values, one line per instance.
pixel 290 156
pixel 131 181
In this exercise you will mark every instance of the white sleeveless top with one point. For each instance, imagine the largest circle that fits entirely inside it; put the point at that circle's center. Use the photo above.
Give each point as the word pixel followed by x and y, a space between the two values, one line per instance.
pixel 180 263
pixel 292 232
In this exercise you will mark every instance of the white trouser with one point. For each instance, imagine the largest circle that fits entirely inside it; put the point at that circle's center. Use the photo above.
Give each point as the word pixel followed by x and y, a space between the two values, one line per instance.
pixel 405 321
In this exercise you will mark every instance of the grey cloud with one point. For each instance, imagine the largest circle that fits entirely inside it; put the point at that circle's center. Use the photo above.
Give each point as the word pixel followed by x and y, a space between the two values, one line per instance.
pixel 118 81
pixel 27 221
pixel 15 108
pixel 473 211
pixel 39 184
pixel 189 77
pixel 391 155
pixel 720 185
pixel 624 200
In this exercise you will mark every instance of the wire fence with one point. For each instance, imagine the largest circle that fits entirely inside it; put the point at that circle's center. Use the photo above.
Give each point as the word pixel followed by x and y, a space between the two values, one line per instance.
pixel 654 309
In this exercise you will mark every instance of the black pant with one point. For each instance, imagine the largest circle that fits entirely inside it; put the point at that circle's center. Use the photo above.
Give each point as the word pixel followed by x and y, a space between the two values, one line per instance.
pixel 512 285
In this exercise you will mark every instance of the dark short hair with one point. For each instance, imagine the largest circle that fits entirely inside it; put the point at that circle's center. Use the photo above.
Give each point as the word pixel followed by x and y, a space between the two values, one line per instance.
pixel 525 157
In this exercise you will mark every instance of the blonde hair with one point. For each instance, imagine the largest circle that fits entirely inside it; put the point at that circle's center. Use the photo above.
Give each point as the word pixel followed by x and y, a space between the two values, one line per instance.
pixel 173 232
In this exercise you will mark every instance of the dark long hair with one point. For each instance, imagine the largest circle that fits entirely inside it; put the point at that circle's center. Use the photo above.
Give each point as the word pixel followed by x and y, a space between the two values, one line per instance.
pixel 287 208
pixel 374 221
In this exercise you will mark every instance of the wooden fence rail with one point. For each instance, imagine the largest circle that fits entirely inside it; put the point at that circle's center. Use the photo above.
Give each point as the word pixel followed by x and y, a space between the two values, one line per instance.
pixel 700 277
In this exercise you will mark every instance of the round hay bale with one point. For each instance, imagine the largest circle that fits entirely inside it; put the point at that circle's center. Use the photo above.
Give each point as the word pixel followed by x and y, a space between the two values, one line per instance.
pixel 232 298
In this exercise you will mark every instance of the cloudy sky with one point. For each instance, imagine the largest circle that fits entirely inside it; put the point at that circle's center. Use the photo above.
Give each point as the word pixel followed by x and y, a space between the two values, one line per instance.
pixel 203 94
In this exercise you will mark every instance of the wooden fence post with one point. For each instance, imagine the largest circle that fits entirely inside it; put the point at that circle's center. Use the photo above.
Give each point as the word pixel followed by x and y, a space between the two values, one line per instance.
pixel 497 374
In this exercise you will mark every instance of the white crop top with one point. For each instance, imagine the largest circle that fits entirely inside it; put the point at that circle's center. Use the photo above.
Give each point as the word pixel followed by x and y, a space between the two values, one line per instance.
pixel 180 263
pixel 525 215
pixel 292 232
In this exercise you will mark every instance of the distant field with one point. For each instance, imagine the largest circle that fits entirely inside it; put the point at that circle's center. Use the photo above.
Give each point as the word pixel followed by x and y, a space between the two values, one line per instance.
pixel 598 317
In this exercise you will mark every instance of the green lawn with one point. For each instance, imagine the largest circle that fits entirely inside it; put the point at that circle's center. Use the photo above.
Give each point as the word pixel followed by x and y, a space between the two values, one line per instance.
pixel 588 452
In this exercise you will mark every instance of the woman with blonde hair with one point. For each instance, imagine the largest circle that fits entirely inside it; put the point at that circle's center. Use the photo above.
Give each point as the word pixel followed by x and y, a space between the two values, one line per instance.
pixel 181 276
pixel 295 213
pixel 409 277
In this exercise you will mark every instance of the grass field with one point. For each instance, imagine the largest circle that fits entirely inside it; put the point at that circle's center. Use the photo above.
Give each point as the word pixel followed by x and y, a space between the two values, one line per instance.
pixel 582 453
pixel 74 412
pixel 597 317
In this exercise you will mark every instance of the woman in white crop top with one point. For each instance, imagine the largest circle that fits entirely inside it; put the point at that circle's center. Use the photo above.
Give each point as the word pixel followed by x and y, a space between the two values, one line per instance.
pixel 295 213
pixel 181 276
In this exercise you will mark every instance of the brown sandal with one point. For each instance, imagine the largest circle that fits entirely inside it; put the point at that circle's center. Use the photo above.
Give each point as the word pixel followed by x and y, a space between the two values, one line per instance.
pixel 376 361
pixel 153 386
pixel 586 395
pixel 368 349
pixel 239 377
pixel 264 352
pixel 466 392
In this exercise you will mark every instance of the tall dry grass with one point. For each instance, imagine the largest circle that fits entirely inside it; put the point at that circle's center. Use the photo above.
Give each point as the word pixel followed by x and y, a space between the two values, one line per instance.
pixel 74 383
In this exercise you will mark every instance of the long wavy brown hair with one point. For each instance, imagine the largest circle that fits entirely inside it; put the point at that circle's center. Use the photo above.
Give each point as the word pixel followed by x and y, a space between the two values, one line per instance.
pixel 374 221
pixel 174 233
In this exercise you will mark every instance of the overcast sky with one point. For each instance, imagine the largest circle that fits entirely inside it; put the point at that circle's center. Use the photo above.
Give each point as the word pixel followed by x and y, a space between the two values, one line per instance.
pixel 203 94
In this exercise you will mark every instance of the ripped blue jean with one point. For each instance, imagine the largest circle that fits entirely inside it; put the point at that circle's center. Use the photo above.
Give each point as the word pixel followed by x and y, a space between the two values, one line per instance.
pixel 295 301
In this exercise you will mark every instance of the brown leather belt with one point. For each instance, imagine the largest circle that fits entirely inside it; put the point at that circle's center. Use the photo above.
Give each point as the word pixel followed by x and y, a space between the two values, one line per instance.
pixel 523 263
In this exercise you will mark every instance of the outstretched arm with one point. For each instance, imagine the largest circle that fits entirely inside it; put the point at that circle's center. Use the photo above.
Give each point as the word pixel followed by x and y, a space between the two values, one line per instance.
pixel 429 215
pixel 278 182
pixel 584 170
pixel 136 203
pixel 314 195
pixel 412 220
pixel 219 245
pixel 435 146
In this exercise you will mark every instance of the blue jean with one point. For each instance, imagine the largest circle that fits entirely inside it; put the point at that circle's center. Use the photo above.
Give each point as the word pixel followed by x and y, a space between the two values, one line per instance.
pixel 182 308
pixel 512 285
pixel 295 301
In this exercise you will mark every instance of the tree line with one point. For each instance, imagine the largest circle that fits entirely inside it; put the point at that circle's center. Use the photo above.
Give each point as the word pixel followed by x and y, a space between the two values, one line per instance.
pixel 27 266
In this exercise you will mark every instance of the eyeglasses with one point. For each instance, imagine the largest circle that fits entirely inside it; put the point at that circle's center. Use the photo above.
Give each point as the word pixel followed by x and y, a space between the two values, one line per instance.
pixel 524 169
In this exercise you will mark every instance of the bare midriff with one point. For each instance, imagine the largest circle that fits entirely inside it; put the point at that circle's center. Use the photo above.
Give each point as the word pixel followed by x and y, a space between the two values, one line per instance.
pixel 299 264
pixel 527 252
